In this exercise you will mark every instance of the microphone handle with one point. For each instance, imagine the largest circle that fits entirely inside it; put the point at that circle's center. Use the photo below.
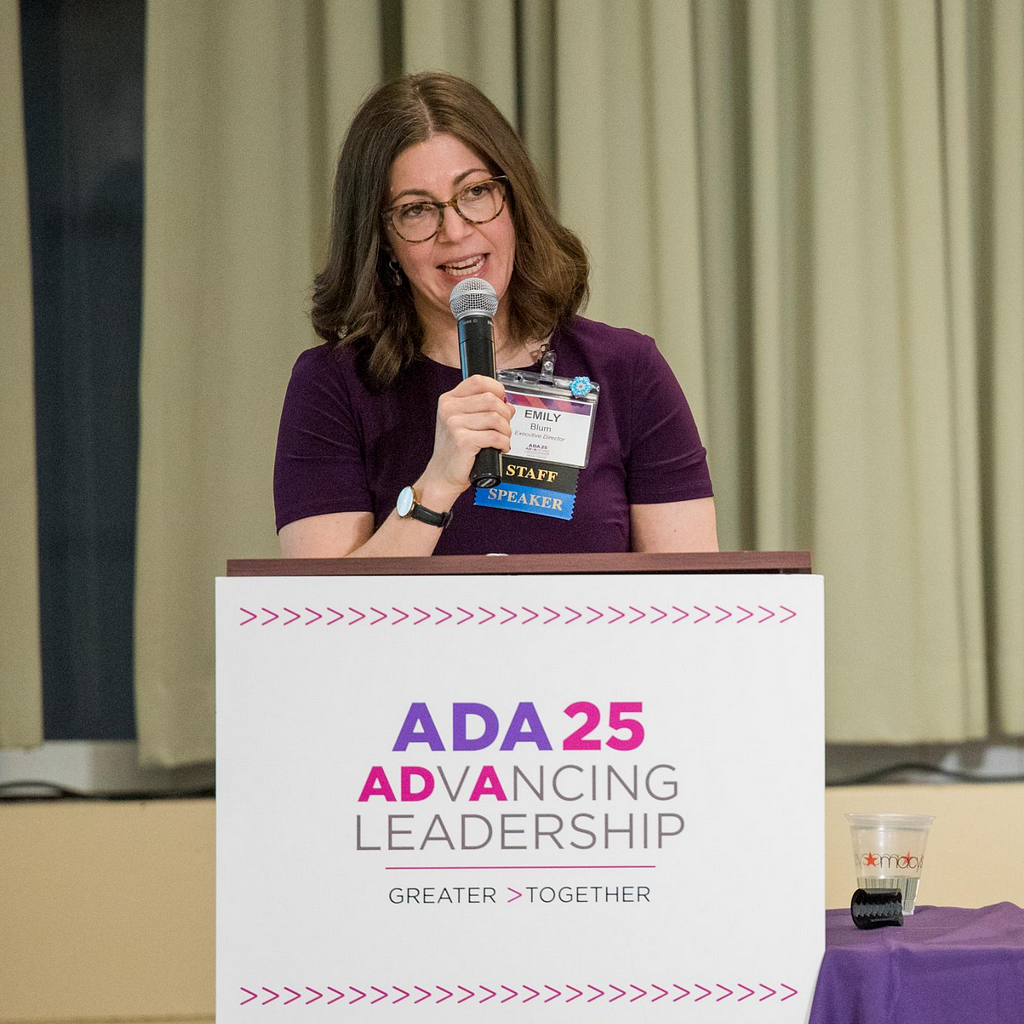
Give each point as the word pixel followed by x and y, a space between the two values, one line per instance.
pixel 476 353
pixel 476 346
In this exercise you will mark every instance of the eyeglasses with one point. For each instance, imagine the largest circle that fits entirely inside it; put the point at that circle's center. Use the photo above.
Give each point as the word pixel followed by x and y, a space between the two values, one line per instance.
pixel 477 204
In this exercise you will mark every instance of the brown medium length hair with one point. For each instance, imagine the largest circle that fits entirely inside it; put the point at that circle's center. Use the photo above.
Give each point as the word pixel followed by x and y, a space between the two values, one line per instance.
pixel 355 299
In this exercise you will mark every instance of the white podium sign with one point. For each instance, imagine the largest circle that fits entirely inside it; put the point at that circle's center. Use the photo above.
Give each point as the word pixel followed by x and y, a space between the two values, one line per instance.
pixel 579 799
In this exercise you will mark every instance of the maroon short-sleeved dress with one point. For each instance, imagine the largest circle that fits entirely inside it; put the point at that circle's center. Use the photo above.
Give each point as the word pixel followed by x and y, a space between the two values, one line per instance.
pixel 344 447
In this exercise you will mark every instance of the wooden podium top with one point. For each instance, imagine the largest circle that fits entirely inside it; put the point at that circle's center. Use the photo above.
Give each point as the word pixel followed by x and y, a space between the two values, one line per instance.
pixel 503 565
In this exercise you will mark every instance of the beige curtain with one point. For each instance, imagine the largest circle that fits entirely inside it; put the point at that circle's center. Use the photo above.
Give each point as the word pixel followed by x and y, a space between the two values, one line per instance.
pixel 816 208
pixel 21 701
pixel 895 445
pixel 245 103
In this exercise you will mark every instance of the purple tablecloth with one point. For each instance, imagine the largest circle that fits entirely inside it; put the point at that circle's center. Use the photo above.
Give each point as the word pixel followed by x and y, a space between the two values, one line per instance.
pixel 946 965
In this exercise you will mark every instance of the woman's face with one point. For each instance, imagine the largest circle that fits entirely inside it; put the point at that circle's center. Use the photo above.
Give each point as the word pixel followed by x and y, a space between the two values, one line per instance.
pixel 437 170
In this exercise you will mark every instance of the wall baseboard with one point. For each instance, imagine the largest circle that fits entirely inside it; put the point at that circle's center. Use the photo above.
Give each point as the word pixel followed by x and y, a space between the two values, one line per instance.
pixel 100 766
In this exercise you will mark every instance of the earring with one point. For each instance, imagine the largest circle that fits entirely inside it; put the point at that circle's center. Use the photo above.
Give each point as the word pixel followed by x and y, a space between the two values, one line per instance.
pixel 396 272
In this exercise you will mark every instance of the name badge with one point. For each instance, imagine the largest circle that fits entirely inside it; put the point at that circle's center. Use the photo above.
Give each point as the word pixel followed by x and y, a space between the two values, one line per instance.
pixel 554 420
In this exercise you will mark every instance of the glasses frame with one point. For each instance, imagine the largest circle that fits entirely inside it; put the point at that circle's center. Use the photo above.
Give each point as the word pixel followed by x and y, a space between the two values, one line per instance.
pixel 389 213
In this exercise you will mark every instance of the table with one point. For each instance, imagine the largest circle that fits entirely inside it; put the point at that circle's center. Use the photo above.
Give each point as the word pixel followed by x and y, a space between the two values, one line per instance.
pixel 946 965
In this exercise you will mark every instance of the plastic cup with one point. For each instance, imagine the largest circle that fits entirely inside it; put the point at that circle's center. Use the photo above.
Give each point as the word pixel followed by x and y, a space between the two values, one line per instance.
pixel 888 852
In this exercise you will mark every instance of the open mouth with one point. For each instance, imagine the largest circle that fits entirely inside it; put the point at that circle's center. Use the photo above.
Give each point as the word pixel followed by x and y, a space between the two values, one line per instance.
pixel 465 268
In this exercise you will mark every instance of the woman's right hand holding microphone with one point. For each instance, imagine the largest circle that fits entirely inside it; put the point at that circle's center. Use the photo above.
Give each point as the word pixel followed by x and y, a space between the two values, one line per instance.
pixel 472 416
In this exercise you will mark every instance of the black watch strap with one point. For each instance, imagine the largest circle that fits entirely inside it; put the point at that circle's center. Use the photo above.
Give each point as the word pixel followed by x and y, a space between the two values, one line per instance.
pixel 427 515
pixel 408 507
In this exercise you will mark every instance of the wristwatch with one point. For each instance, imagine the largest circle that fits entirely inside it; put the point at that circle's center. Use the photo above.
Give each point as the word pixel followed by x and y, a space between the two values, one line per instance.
pixel 408 507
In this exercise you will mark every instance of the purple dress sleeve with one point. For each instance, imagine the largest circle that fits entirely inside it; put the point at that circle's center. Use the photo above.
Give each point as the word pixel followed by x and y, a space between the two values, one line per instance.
pixel 666 461
pixel 320 465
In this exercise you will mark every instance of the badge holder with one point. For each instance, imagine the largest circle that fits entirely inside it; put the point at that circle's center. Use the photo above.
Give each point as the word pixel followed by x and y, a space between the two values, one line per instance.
pixel 552 432
pixel 556 416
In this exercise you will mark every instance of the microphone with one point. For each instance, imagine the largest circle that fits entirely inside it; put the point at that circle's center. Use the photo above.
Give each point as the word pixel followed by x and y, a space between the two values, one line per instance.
pixel 473 303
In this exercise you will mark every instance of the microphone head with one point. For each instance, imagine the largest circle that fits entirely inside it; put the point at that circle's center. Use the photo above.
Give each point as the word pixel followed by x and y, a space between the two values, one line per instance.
pixel 473 297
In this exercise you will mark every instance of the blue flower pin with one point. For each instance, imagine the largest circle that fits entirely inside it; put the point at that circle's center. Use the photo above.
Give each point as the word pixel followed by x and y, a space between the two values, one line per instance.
pixel 580 387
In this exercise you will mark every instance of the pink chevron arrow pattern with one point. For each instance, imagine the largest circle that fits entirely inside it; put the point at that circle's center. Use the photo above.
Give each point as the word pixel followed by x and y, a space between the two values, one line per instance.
pixel 648 615
pixel 521 995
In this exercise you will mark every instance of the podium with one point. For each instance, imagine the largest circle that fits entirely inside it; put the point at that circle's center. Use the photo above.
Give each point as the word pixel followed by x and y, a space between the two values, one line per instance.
pixel 581 788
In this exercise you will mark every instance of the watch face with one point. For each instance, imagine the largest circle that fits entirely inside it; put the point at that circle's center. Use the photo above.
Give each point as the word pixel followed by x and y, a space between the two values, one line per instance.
pixel 405 502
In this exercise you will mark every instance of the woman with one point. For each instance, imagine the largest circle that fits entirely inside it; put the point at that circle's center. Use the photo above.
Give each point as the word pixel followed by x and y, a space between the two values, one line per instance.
pixel 433 186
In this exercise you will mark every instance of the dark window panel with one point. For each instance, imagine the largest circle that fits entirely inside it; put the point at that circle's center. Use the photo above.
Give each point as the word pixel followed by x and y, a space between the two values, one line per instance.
pixel 83 86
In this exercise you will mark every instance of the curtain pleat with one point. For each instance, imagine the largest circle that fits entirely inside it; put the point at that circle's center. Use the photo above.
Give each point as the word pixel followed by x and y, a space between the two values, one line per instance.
pixel 781 243
pixel 21 697
pixel 722 123
pixel 1002 331
pixel 537 76
pixel 958 241
pixel 675 187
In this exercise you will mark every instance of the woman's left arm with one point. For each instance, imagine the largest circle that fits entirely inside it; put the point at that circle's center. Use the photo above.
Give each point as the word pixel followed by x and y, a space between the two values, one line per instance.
pixel 674 526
